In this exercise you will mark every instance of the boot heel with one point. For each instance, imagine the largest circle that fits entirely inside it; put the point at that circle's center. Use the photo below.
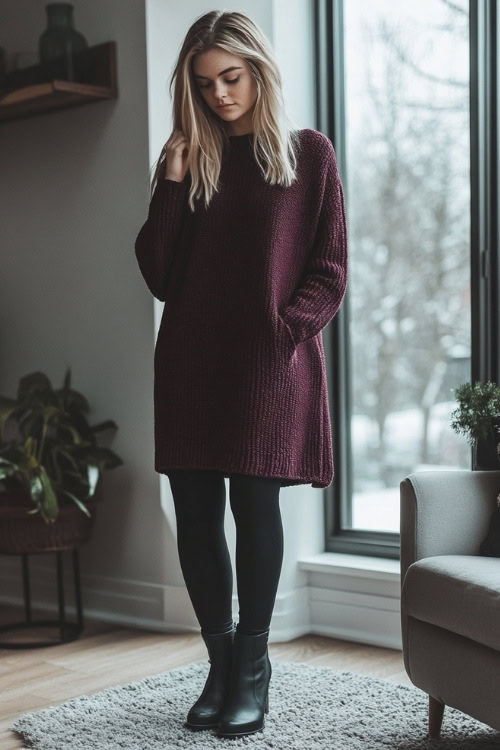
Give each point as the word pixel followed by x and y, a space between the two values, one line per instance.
pixel 267 704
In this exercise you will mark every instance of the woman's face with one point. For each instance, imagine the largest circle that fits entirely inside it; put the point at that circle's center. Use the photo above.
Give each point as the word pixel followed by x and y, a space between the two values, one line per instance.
pixel 223 78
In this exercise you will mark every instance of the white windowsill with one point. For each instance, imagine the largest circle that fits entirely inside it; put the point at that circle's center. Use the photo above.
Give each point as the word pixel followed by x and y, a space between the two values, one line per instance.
pixel 381 568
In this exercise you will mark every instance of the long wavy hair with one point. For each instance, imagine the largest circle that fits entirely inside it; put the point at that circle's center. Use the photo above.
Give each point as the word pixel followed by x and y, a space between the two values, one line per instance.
pixel 275 139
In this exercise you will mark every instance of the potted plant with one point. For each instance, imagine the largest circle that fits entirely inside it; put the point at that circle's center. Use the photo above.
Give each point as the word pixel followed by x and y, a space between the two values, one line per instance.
pixel 478 418
pixel 50 468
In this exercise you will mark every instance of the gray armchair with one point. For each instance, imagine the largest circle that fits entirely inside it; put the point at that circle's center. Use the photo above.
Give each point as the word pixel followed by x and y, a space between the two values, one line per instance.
pixel 450 595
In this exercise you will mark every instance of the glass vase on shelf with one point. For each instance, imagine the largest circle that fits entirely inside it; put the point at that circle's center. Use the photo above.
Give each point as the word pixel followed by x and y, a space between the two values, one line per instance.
pixel 60 44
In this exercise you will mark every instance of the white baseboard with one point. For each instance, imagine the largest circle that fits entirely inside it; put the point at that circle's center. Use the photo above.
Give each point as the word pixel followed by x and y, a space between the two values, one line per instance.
pixel 355 617
pixel 317 608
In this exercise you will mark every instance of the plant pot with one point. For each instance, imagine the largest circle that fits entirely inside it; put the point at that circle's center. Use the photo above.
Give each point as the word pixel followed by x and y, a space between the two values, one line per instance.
pixel 486 455
pixel 21 533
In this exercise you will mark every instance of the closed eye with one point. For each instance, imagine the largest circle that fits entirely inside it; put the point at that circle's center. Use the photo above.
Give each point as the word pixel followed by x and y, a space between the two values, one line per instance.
pixel 233 80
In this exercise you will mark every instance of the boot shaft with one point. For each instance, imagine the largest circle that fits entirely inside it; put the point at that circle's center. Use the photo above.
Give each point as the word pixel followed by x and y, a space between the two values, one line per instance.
pixel 219 646
pixel 251 664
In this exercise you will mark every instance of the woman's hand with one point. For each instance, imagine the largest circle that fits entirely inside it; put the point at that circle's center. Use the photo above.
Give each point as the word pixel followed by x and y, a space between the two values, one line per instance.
pixel 177 163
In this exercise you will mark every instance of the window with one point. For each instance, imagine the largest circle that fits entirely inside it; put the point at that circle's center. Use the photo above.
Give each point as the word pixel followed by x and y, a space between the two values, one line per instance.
pixel 394 97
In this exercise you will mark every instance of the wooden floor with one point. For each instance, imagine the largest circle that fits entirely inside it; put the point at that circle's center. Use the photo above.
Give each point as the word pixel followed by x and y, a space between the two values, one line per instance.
pixel 107 655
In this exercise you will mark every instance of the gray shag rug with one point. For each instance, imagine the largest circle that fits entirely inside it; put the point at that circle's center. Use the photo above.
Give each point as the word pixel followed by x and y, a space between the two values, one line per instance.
pixel 310 708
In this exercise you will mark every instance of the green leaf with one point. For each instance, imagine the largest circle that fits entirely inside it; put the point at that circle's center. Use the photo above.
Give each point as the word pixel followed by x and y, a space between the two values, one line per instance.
pixel 7 468
pixel 50 506
pixel 93 475
pixel 36 385
pixel 78 502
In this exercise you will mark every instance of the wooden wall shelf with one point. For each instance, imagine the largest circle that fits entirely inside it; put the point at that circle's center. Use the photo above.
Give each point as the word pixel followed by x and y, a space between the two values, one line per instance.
pixel 25 93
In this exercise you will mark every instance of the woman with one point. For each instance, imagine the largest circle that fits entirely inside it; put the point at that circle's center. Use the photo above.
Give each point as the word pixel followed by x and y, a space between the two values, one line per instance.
pixel 246 243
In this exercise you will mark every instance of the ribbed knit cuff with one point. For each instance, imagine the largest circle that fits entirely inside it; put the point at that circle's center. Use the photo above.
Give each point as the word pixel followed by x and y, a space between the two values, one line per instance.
pixel 174 193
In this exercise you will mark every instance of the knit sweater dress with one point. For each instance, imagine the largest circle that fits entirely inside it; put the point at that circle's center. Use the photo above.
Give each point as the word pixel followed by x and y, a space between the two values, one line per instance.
pixel 248 284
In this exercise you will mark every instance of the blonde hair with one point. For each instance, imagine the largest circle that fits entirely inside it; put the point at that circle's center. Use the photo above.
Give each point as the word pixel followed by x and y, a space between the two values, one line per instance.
pixel 274 139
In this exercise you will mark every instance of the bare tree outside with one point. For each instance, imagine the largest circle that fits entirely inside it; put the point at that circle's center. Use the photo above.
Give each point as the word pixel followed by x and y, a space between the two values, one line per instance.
pixel 407 105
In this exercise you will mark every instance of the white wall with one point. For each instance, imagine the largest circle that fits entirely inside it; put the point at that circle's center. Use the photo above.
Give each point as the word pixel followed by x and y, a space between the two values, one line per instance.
pixel 75 193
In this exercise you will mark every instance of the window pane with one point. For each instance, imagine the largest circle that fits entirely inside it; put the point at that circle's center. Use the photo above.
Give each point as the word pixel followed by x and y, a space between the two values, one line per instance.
pixel 408 161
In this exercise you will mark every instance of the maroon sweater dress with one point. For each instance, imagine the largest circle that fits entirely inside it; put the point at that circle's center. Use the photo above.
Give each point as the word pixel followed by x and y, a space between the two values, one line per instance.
pixel 248 283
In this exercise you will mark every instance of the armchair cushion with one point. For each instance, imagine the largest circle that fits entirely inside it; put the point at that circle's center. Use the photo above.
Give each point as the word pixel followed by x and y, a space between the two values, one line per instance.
pixel 460 593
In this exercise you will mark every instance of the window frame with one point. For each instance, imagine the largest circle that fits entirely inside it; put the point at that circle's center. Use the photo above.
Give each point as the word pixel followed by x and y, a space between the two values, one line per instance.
pixel 484 268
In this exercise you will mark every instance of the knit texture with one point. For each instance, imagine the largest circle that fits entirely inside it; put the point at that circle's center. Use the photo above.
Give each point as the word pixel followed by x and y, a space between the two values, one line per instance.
pixel 248 283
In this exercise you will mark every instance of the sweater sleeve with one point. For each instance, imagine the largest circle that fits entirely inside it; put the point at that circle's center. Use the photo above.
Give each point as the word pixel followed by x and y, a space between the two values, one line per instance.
pixel 156 242
pixel 321 291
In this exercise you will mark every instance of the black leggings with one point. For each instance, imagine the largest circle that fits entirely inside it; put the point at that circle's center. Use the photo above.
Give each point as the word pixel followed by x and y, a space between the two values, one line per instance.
pixel 200 501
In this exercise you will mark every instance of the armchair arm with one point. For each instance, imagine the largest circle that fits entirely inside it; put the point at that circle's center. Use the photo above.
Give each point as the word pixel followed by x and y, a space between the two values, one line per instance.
pixel 445 513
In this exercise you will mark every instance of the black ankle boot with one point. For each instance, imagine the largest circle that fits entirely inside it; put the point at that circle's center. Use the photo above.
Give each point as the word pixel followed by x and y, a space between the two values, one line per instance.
pixel 248 697
pixel 205 713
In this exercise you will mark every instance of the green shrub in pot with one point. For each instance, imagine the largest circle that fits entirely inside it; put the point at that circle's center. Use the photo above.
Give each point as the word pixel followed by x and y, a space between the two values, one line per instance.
pixel 478 418
pixel 54 453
